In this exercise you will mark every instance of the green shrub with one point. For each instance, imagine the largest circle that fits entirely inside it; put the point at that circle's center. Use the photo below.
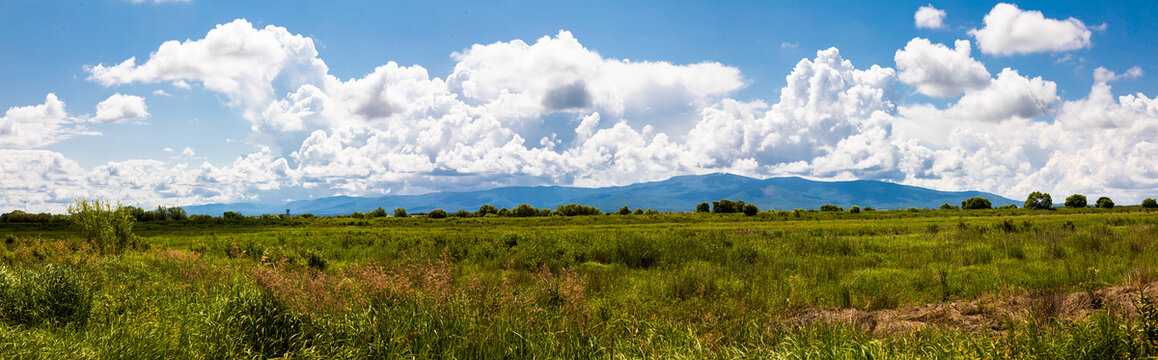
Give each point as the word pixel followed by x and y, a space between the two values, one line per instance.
pixel 638 212
pixel 947 206
pixel 697 279
pixel 108 229
pixel 1076 201
pixel 486 210
pixel 831 207
pixel 1149 203
pixel 854 210
pixel 1038 201
pixel 51 295
pixel 624 211
pixel 637 252
pixel 436 214
pixel 398 212
pixel 975 203
pixel 315 261
pixel 703 207
pixel 259 324
pixel 750 209
pixel 1105 203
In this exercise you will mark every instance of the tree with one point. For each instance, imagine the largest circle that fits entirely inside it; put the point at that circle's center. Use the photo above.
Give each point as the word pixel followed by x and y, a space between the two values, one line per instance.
pixel 461 214
pixel 486 209
pixel 108 229
pixel 703 207
pixel 176 213
pixel 358 215
pixel 232 215
pixel 1076 201
pixel 830 207
pixel 380 212
pixel 436 214
pixel 750 209
pixel 1149 203
pixel 398 212
pixel 854 210
pixel 638 212
pixel 1039 201
pixel 976 203
pixel 947 206
pixel 625 211
pixel 525 210
pixel 1105 203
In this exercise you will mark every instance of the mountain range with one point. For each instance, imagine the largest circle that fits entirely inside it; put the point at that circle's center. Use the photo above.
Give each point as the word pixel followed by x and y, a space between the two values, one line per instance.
pixel 680 193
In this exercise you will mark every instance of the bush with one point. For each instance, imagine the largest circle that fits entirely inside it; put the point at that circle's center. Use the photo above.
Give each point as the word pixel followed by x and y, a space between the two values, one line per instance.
pixel 725 206
pixel 230 215
pixel 109 230
pixel 525 210
pixel 947 206
pixel 750 209
pixel 624 211
pixel 486 210
pixel 315 261
pixel 1076 201
pixel 854 210
pixel 577 210
pixel 398 212
pixel 461 214
pixel 379 212
pixel 975 203
pixel 436 214
pixel 1105 203
pixel 831 207
pixel 638 212
pixel 51 295
pixel 1038 201
pixel 703 207
pixel 1149 203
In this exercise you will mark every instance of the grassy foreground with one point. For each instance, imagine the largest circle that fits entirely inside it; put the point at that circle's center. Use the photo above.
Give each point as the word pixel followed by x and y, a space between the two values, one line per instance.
pixel 799 285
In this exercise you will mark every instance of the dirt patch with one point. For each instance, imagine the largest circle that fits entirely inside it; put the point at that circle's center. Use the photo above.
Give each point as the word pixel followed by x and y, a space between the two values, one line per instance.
pixel 990 313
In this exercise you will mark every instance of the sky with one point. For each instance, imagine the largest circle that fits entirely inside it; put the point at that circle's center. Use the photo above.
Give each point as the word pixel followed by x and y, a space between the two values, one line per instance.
pixel 178 103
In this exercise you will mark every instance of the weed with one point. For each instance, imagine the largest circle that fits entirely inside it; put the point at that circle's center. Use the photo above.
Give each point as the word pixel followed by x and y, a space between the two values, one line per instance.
pixel 50 295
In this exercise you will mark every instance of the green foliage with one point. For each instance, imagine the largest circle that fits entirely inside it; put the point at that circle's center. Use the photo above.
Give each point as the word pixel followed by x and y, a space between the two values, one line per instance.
pixel 259 324
pixel 947 206
pixel 1038 201
pixel 854 210
pixel 976 203
pixel 1149 203
pixel 725 206
pixel 108 229
pixel 436 214
pixel 315 261
pixel 487 210
pixel 1076 201
pixel 17 216
pixel 703 207
pixel 462 214
pixel 650 212
pixel 398 212
pixel 625 211
pixel 230 215
pixel 51 295
pixel 831 207
pixel 750 209
pixel 577 210
pixel 358 215
pixel 1105 203
pixel 638 212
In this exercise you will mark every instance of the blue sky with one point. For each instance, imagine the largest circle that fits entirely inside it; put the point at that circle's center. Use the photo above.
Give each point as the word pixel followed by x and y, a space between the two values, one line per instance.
pixel 367 98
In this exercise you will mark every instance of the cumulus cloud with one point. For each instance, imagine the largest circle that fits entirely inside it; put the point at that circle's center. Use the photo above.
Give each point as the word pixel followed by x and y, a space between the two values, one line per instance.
pixel 119 108
pixel 1009 30
pixel 939 71
pixel 929 17
pixel 37 125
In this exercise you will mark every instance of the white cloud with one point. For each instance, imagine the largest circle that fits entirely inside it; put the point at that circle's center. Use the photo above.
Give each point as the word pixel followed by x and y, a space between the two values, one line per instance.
pixel 939 71
pixel 157 1
pixel 1009 30
pixel 37 125
pixel 160 92
pixel 188 152
pixel 929 17
pixel 119 108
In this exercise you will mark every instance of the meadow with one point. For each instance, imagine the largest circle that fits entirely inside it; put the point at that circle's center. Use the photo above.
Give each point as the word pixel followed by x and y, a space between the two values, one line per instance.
pixel 906 284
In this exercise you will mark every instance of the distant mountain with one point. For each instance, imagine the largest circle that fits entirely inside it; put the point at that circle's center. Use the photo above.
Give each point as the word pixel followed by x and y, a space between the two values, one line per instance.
pixel 680 193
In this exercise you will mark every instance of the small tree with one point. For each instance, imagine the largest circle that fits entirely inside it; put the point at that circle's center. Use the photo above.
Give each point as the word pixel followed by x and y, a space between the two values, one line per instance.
pixel 108 229
pixel 976 203
pixel 854 210
pixel 436 214
pixel 638 212
pixel 1149 203
pixel 525 210
pixel 1105 203
pixel 1039 201
pixel 831 207
pixel 947 206
pixel 398 212
pixel 1076 201
pixel 486 209
pixel 624 211
pixel 703 207
pixel 380 212
pixel 750 209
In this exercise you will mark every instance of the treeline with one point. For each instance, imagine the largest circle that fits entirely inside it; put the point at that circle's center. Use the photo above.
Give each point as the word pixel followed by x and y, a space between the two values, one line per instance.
pixel 523 210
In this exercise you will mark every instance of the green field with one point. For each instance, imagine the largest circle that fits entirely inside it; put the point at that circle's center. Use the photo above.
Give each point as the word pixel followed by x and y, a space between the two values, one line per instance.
pixel 923 284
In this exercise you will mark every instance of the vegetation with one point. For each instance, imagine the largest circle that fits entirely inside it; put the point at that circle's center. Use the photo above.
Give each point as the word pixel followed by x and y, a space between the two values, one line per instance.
pixel 436 214
pixel 1149 203
pixel 1076 201
pixel 1038 201
pixel 976 203
pixel 108 229
pixel 994 284
pixel 703 207
pixel 399 212
pixel 725 206
pixel 831 207
pixel 1105 203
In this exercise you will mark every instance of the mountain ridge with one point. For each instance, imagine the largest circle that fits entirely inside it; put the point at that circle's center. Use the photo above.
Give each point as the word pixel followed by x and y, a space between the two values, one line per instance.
pixel 679 193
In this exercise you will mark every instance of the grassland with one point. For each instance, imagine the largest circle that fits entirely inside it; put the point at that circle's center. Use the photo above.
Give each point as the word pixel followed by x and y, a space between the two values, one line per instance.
pixel 799 285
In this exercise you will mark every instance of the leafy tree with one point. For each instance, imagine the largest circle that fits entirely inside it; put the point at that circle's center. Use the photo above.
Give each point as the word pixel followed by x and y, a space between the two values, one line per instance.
pixel 461 214
pixel 1010 206
pixel 486 209
pixel 1105 203
pixel 725 206
pixel 1039 201
pixel 1149 203
pixel 436 214
pixel 975 203
pixel 830 207
pixel 854 210
pixel 176 213
pixel 638 211
pixel 232 215
pixel 750 209
pixel 947 206
pixel 358 215
pixel 380 212
pixel 525 210
pixel 869 208
pixel 703 207
pixel 1076 201
pixel 576 210
pixel 108 229
pixel 398 212
pixel 625 211
pixel 504 212
pixel 650 212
